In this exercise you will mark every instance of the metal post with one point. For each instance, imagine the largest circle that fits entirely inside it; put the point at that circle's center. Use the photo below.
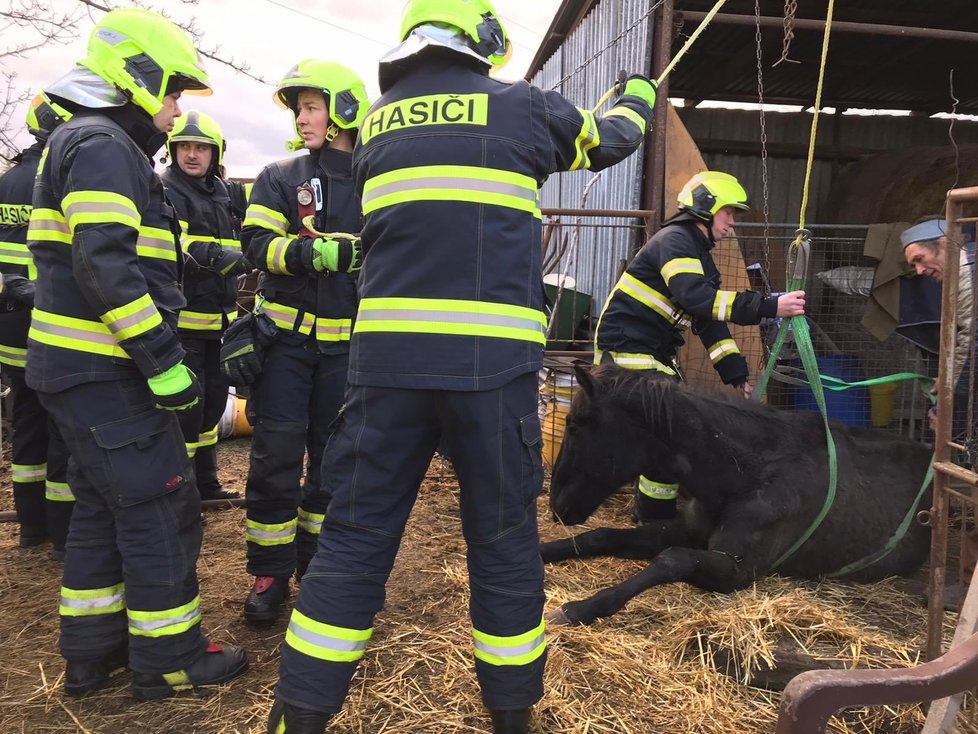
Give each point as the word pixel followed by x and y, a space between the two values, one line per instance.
pixel 655 152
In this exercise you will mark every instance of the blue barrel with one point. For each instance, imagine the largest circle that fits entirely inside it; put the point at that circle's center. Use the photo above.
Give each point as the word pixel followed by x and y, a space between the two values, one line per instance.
pixel 851 406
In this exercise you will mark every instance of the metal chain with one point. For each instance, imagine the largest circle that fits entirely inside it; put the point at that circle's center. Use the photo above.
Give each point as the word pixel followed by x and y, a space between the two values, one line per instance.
pixel 790 8
pixel 766 260
pixel 613 42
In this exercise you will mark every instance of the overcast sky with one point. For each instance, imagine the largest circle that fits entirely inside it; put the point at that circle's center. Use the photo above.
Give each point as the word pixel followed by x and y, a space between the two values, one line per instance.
pixel 271 36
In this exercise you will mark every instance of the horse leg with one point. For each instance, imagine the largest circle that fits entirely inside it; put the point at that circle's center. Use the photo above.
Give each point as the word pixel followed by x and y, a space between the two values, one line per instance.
pixel 705 569
pixel 639 543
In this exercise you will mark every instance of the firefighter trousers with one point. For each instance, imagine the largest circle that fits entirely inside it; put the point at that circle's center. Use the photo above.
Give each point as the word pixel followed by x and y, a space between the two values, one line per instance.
pixel 130 573
pixel 377 458
pixel 295 401
pixel 39 465
pixel 204 360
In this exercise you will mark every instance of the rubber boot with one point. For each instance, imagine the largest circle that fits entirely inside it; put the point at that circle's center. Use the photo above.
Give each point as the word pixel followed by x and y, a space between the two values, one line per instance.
pixel 205 467
pixel 264 602
pixel 288 719
pixel 510 722
pixel 218 664
pixel 84 677
pixel 59 517
pixel 31 535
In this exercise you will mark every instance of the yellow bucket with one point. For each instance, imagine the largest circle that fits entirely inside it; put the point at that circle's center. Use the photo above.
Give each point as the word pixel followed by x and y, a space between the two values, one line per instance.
pixel 882 400
pixel 552 427
pixel 234 422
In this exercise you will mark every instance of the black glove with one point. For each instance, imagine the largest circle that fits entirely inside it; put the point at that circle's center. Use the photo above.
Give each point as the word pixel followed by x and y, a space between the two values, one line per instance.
pixel 18 290
pixel 227 262
pixel 243 348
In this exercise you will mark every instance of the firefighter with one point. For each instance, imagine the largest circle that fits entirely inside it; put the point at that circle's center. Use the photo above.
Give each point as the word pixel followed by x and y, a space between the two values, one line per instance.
pixel 307 293
pixel 449 337
pixel 39 466
pixel 673 284
pixel 212 262
pixel 104 357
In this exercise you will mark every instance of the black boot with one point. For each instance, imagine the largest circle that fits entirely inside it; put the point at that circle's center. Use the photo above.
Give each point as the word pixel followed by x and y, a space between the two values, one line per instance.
pixel 205 468
pixel 288 719
pixel 31 535
pixel 264 602
pixel 510 722
pixel 88 676
pixel 218 664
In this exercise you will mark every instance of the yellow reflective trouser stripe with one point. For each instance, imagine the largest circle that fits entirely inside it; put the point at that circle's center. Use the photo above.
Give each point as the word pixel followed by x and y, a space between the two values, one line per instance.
pixel 156 243
pixel 517 650
pixel 455 317
pixel 207 438
pixel 278 534
pixel 285 317
pixel 134 318
pixel 191 450
pixel 92 602
pixel 200 320
pixel 723 348
pixel 723 305
pixel 648 296
pixel 310 522
pixel 586 140
pixel 324 641
pixel 333 330
pixel 630 115
pixel 681 265
pixel 657 490
pixel 68 332
pixel 28 473
pixel 275 255
pixel 266 218
pixel 48 225
pixel 473 184
pixel 632 361
pixel 13 356
pixel 165 622
pixel 58 492
pixel 99 207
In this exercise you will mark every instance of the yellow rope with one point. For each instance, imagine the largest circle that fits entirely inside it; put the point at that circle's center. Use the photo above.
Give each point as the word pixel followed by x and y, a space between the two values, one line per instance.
pixel 818 107
pixel 675 59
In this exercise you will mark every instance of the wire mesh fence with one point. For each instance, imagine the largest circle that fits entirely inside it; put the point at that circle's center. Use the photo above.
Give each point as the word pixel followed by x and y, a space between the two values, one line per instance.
pixel 854 317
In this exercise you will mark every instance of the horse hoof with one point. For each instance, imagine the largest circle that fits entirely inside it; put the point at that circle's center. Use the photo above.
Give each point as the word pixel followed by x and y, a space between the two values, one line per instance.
pixel 558 617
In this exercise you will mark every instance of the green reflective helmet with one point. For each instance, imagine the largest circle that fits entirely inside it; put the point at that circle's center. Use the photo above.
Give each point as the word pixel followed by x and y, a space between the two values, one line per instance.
pixel 475 18
pixel 196 127
pixel 708 192
pixel 345 93
pixel 43 115
pixel 145 56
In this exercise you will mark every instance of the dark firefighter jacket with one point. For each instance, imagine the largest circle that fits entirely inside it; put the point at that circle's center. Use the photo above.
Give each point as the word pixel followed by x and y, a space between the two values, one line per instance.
pixel 16 188
pixel 204 209
pixel 449 163
pixel 673 283
pixel 106 245
pixel 297 298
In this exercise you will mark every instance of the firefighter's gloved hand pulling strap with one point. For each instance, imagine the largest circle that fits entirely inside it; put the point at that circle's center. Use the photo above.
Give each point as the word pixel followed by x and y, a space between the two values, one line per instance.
pixel 175 389
pixel 227 262
pixel 335 251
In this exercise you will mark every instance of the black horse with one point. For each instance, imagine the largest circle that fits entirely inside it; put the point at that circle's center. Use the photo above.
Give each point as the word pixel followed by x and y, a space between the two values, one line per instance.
pixel 753 477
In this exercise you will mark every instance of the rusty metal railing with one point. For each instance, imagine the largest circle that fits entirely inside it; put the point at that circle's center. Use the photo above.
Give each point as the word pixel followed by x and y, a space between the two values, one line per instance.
pixel 813 697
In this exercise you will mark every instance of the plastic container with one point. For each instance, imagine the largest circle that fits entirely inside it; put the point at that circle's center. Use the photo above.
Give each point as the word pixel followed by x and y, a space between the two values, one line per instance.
pixel 571 307
pixel 882 400
pixel 234 422
pixel 556 392
pixel 849 406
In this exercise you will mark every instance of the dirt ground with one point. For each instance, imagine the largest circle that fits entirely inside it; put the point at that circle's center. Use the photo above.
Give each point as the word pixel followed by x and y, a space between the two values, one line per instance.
pixel 642 671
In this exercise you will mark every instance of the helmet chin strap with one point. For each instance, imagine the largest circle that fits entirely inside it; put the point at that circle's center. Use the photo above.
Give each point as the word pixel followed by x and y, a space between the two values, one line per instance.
pixel 297 144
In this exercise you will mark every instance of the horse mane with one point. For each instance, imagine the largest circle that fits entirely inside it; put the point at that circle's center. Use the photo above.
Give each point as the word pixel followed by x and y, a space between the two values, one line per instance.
pixel 670 406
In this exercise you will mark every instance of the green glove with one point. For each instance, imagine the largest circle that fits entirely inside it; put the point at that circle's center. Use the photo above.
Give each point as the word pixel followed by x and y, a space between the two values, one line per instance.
pixel 175 389
pixel 641 87
pixel 338 255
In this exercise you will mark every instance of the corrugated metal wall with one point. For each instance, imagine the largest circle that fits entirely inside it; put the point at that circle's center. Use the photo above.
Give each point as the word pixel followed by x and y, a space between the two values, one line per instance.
pixel 787 174
pixel 594 260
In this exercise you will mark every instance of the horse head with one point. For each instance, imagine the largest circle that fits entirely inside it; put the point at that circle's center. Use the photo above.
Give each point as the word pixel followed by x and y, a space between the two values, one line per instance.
pixel 606 444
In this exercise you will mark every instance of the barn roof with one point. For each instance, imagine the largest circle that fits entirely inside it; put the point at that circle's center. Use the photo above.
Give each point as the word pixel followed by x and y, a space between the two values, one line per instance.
pixel 884 54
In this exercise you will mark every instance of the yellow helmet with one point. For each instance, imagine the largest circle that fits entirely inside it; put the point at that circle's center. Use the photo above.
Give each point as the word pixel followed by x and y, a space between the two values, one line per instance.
pixel 475 18
pixel 145 56
pixel 44 115
pixel 196 127
pixel 345 93
pixel 708 192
